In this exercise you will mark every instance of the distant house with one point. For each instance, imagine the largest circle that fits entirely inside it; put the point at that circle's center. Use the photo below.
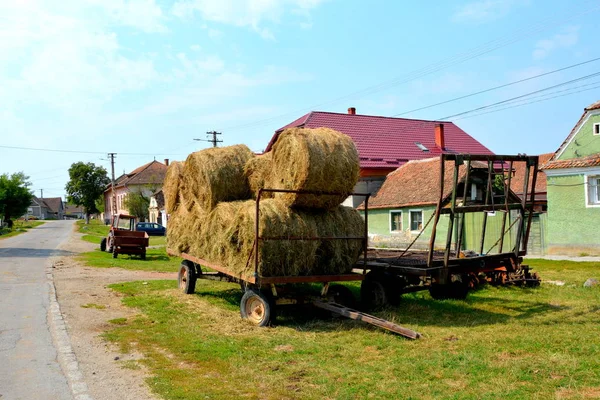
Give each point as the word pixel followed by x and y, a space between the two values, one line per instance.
pixel 406 202
pixel 156 210
pixel 146 179
pixel 46 208
pixel 573 180
pixel 72 211
pixel 386 143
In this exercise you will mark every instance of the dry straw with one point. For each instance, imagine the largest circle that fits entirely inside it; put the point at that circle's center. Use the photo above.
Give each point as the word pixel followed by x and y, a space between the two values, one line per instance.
pixel 171 186
pixel 216 174
pixel 258 170
pixel 315 160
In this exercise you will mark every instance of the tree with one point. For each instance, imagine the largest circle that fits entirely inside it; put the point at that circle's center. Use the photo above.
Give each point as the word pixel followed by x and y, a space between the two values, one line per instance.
pixel 15 196
pixel 137 204
pixel 86 185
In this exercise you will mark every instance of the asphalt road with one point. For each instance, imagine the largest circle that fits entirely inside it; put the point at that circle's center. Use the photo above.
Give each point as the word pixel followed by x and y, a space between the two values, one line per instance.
pixel 28 358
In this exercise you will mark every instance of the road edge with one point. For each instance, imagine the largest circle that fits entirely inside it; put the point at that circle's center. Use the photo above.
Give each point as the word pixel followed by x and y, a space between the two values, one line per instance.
pixel 65 354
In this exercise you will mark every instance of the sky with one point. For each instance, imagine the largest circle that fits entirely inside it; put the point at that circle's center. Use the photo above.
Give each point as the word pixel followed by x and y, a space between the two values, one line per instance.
pixel 144 78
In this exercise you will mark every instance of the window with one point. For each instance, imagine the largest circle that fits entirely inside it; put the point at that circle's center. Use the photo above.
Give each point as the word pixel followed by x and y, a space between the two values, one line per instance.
pixel 416 220
pixel 422 147
pixel 395 221
pixel 594 190
pixel 597 128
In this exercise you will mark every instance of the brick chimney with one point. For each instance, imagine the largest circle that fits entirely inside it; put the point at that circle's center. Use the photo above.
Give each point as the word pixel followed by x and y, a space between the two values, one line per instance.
pixel 352 110
pixel 167 162
pixel 439 136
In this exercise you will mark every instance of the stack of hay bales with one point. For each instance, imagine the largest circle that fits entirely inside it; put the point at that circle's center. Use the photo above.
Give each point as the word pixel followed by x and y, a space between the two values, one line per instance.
pixel 212 211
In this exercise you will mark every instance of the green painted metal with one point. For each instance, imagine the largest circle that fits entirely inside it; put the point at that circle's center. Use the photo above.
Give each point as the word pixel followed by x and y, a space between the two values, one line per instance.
pixel 584 143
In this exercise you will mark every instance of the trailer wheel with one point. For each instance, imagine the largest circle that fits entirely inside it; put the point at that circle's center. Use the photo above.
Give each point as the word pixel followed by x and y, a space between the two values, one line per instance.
pixel 256 307
pixel 341 295
pixel 373 293
pixel 115 253
pixel 103 244
pixel 186 278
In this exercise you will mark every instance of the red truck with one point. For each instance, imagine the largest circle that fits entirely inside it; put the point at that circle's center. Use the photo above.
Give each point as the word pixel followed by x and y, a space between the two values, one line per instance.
pixel 123 238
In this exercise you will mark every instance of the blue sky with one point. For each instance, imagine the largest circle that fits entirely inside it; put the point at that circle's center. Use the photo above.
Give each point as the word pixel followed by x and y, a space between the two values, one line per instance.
pixel 149 76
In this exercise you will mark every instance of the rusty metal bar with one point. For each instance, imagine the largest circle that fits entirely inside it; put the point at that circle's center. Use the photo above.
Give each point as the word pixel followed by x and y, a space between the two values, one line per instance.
pixel 521 232
pixel 462 214
pixel 437 213
pixel 369 319
pixel 318 192
pixel 309 238
pixel 457 163
pixel 485 157
pixel 535 161
pixel 469 209
pixel 487 197
pixel 256 233
pixel 366 242
pixel 506 193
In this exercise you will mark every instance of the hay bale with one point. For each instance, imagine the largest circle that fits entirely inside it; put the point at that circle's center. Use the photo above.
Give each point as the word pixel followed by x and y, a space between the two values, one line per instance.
pixel 182 227
pixel 172 186
pixel 314 159
pixel 258 170
pixel 216 174
pixel 338 256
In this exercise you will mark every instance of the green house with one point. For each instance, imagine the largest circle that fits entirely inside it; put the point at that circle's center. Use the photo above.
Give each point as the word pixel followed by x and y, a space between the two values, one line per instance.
pixel 573 186
pixel 401 213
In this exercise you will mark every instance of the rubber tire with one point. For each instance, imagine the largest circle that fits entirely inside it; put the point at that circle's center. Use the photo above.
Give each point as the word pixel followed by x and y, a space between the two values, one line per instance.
pixel 189 286
pixel 341 295
pixel 267 305
pixel 114 253
pixel 103 244
pixel 373 293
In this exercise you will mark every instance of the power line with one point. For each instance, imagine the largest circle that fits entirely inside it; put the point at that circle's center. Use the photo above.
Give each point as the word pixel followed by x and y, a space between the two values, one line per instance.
pixel 458 58
pixel 519 97
pixel 496 88
pixel 214 139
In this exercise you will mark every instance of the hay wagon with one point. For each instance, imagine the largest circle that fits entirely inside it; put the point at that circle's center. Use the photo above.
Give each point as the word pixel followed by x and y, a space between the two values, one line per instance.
pixel 449 271
pixel 263 294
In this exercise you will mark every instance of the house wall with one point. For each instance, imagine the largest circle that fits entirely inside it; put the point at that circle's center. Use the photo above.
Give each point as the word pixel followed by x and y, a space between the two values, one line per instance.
pixel 584 143
pixel 121 193
pixel 572 225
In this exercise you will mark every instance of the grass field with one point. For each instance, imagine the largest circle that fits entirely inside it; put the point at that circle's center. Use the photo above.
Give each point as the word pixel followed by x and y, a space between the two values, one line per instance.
pixel 18 228
pixel 510 342
pixel 156 260
pixel 96 230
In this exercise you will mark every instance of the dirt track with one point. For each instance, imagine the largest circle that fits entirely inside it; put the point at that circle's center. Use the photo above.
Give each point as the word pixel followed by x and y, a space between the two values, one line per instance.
pixel 101 363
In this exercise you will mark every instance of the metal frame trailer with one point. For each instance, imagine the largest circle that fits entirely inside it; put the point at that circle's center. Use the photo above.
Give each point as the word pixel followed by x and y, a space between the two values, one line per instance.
pixel 263 294
pixel 449 272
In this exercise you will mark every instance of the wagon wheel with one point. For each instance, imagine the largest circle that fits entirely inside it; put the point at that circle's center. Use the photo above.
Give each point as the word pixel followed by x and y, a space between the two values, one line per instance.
pixel 103 244
pixel 186 278
pixel 256 307
pixel 341 295
pixel 373 293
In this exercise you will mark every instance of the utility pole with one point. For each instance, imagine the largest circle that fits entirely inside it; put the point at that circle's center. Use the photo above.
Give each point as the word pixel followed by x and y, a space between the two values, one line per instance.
pixel 42 194
pixel 214 139
pixel 113 201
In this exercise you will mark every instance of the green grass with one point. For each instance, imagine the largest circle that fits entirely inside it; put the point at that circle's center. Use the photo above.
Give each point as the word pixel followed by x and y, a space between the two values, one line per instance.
pixel 96 230
pixel 19 227
pixel 156 260
pixel 509 342
pixel 94 305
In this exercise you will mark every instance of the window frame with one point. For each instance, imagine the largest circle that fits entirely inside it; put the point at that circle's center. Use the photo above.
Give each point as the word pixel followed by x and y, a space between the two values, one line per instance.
pixel 410 220
pixel 401 220
pixel 594 126
pixel 592 189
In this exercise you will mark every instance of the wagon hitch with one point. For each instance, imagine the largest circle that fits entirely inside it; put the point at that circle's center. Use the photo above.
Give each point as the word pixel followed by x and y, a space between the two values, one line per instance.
pixel 369 319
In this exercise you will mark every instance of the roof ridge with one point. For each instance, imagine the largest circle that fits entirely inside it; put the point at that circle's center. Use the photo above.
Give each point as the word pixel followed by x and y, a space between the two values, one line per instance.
pixel 381 116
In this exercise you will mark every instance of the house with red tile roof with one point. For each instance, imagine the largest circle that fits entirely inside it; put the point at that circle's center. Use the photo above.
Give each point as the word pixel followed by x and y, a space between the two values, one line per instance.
pixel 573 186
pixel 403 209
pixel 386 143
pixel 146 179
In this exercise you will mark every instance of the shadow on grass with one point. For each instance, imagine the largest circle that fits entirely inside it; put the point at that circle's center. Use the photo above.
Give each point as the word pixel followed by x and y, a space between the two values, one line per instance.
pixel 413 310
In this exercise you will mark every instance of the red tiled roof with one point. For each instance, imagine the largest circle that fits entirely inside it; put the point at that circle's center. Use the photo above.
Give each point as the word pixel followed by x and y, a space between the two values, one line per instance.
pixel 150 173
pixel 516 182
pixel 417 183
pixel 385 142
pixel 593 106
pixel 582 162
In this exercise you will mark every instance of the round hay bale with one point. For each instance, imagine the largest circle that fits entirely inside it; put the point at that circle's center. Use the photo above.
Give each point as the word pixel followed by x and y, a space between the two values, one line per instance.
pixel 317 160
pixel 258 170
pixel 171 186
pixel 340 255
pixel 216 174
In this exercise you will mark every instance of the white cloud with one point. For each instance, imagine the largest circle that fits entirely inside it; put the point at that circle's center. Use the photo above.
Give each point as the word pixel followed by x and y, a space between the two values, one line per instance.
pixel 144 15
pixel 245 13
pixel 565 39
pixel 485 10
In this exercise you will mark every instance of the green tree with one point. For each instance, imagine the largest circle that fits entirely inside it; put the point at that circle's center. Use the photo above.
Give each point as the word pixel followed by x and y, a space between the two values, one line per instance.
pixel 137 204
pixel 15 196
pixel 86 185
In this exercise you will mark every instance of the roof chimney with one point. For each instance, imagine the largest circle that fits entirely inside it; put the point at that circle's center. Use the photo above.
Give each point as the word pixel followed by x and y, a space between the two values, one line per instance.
pixel 439 136
pixel 167 162
pixel 352 110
